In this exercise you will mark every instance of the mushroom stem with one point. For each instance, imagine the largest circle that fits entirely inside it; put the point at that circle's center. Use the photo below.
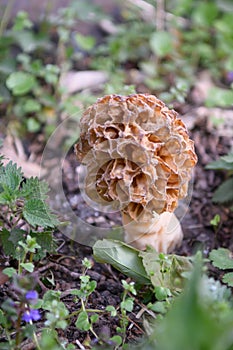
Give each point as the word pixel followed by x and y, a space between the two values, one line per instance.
pixel 163 232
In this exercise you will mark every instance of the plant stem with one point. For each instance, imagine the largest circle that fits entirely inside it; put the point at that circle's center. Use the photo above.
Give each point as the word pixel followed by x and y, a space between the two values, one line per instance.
pixel 6 16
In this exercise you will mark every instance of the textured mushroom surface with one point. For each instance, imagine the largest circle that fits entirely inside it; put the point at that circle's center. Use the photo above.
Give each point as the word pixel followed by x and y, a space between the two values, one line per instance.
pixel 138 155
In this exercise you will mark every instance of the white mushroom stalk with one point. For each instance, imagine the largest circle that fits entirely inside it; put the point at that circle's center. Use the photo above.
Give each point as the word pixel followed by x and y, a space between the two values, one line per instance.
pixel 139 159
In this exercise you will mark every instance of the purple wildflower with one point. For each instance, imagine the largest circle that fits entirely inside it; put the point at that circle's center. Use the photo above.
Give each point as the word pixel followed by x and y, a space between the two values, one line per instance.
pixel 230 76
pixel 31 295
pixel 31 315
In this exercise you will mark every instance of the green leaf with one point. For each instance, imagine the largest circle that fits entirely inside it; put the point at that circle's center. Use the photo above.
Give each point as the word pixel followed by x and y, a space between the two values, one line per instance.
pixel 218 97
pixel 32 106
pixel 34 188
pixel 37 213
pixel 46 242
pixel 228 158
pixel 161 43
pixel 116 339
pixel 112 310
pixel 10 177
pixel 33 125
pixel 9 241
pixel 86 42
pixel 170 271
pixel 9 271
pixel 127 304
pixel 222 258
pixel 122 257
pixel 225 163
pixel 224 193
pixel 228 278
pixel 20 83
pixel 3 319
pixel 194 322
pixel 82 322
pixel 28 266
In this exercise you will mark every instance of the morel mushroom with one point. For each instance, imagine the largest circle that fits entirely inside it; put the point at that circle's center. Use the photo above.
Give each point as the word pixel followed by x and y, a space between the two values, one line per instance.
pixel 139 159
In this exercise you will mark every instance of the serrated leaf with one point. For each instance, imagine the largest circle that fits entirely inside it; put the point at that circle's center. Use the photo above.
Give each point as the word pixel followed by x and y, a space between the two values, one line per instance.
pixel 122 257
pixel 10 176
pixel 34 188
pixel 224 193
pixel 37 213
pixel 228 278
pixel 222 258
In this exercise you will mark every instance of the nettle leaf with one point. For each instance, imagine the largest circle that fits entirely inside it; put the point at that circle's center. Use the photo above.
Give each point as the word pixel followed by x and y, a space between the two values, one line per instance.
pixel 37 213
pixel 224 192
pixel 10 176
pixel 20 83
pixel 222 258
pixel 34 188
pixel 122 257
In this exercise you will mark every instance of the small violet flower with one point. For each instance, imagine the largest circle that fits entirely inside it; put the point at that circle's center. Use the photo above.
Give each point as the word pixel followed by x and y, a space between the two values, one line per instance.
pixel 31 315
pixel 31 295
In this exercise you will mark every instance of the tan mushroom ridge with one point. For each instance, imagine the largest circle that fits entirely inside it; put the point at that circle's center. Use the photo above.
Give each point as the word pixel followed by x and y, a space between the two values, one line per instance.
pixel 139 159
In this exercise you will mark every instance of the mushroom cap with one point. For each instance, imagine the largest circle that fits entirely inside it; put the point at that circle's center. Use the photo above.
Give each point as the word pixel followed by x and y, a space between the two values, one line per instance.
pixel 138 155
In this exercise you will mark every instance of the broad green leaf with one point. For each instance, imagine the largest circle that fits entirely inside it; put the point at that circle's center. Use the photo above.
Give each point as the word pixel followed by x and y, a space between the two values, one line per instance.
pixel 224 192
pixel 225 163
pixel 127 304
pixel 82 322
pixel 122 257
pixel 37 213
pixel 228 278
pixel 32 106
pixel 218 97
pixel 28 266
pixel 9 271
pixel 228 158
pixel 222 258
pixel 161 43
pixel 205 13
pixel 86 42
pixel 33 125
pixel 169 272
pixel 20 83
